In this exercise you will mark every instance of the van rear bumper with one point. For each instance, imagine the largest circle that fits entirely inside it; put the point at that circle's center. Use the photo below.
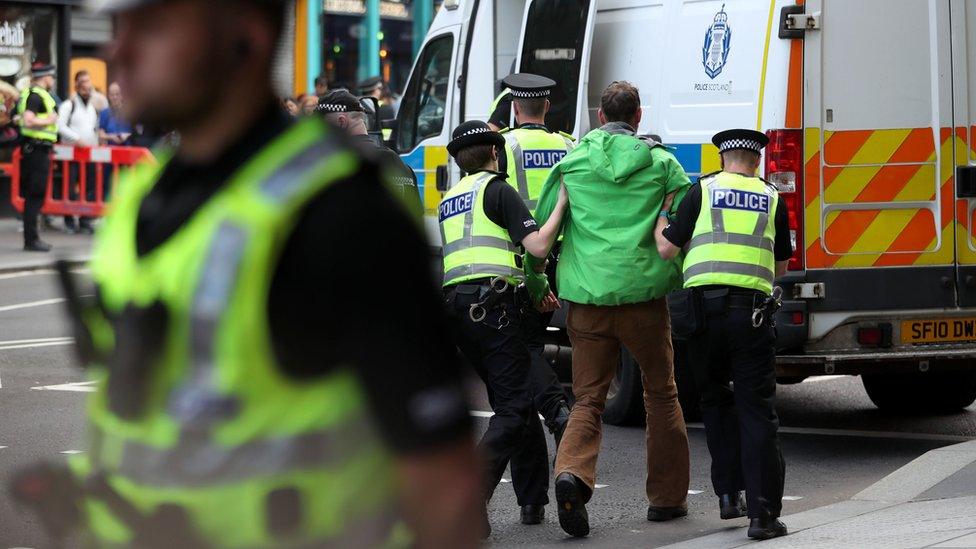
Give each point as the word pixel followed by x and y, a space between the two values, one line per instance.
pixel 935 358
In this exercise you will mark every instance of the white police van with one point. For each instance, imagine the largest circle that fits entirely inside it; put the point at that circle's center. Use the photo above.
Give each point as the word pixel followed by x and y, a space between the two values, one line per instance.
pixel 871 111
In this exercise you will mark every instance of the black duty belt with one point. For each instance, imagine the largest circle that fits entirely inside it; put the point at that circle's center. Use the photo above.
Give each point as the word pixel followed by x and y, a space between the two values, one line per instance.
pixel 490 292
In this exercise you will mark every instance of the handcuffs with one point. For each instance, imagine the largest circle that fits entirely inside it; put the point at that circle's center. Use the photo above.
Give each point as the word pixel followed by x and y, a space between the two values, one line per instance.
pixel 479 311
pixel 768 309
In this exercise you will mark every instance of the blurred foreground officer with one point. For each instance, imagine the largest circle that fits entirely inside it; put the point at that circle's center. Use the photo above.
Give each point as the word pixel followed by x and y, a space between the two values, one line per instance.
pixel 347 113
pixel 483 224
pixel 39 128
pixel 738 239
pixel 531 151
pixel 261 383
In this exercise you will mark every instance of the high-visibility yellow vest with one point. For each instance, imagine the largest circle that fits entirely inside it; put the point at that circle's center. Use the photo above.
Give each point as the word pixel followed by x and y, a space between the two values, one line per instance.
pixel 225 434
pixel 48 132
pixel 734 238
pixel 474 246
pixel 530 153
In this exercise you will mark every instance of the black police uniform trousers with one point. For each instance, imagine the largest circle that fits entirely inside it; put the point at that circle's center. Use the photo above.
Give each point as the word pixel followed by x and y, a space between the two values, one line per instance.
pixel 547 391
pixel 35 169
pixel 496 349
pixel 740 420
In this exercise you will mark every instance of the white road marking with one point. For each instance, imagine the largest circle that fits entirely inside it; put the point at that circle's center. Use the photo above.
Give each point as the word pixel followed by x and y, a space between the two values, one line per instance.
pixel 862 434
pixel 816 379
pixel 2 447
pixel 22 274
pixel 479 413
pixel 600 485
pixel 505 480
pixel 72 452
pixel 792 498
pixel 78 387
pixel 695 492
pixel 31 304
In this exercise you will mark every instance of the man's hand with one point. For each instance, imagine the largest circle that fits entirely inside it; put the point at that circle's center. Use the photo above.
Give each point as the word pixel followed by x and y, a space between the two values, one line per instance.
pixel 668 202
pixel 549 303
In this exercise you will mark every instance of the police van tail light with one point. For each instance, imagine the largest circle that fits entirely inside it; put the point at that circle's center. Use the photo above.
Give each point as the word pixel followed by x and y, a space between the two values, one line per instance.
pixel 784 168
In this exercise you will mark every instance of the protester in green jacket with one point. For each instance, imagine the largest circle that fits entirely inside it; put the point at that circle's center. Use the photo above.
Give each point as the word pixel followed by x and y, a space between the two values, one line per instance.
pixel 615 281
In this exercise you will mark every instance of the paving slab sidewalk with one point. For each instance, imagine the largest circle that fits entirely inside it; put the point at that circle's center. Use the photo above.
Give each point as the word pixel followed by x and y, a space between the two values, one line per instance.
pixel 930 502
pixel 13 258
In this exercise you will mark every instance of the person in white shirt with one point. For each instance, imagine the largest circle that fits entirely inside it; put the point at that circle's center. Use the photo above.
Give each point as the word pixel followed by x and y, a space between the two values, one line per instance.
pixel 78 125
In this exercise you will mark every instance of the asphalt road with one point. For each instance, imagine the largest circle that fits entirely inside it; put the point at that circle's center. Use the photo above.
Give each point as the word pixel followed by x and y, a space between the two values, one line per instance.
pixel 836 443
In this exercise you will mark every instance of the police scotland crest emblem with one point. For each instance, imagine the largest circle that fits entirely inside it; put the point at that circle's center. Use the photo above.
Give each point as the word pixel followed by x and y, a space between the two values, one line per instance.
pixel 716 49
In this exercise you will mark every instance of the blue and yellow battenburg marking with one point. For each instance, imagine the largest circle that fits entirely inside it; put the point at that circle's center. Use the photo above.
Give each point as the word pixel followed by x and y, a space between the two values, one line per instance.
pixel 695 158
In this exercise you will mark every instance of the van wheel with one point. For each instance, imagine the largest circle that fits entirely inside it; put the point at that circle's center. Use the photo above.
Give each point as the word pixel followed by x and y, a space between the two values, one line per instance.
pixel 625 399
pixel 939 392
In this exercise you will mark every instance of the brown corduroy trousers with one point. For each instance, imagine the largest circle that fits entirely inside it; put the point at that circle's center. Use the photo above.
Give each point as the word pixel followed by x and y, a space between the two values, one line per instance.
pixel 597 333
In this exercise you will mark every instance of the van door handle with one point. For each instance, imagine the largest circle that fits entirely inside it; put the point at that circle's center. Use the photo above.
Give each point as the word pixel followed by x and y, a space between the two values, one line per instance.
pixel 440 178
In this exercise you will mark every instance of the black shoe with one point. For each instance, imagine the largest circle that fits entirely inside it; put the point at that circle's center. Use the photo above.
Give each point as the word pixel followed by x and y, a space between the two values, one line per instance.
pixel 533 514
pixel 86 229
pixel 664 514
pixel 767 528
pixel 572 509
pixel 732 506
pixel 37 246
pixel 558 424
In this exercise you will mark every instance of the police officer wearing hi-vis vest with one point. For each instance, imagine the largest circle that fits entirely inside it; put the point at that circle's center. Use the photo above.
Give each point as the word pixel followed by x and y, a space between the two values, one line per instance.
pixel 531 151
pixel 484 223
pixel 39 129
pixel 260 383
pixel 736 236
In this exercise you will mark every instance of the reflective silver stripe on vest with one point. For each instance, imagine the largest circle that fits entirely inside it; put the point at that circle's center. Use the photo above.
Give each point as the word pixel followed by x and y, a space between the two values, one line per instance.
pixel 729 267
pixel 738 239
pixel 288 179
pixel 480 242
pixel 198 404
pixel 197 460
pixel 519 160
pixel 480 269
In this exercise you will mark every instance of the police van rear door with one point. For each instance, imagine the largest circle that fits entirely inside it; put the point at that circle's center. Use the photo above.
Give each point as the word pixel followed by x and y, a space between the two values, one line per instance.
pixel 556 41
pixel 963 18
pixel 879 174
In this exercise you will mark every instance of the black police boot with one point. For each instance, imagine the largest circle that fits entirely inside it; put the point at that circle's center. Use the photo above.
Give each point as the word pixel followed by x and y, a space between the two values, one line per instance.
pixel 558 424
pixel 732 506
pixel 533 514
pixel 664 514
pixel 572 509
pixel 37 246
pixel 766 528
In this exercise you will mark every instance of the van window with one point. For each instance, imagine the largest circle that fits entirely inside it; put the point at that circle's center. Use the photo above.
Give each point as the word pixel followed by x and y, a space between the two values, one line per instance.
pixel 553 47
pixel 424 103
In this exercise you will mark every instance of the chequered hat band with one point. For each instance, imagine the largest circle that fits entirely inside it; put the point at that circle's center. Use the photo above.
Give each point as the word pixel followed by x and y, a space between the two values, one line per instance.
pixel 741 144
pixel 530 94
pixel 332 107
pixel 474 131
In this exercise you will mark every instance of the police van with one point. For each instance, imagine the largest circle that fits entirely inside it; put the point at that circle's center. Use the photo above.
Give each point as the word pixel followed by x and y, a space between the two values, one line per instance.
pixel 870 107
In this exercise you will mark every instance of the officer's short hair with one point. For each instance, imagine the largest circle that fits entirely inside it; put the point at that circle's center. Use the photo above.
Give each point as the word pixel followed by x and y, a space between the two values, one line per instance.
pixel 474 158
pixel 742 156
pixel 534 107
pixel 620 101
pixel 354 115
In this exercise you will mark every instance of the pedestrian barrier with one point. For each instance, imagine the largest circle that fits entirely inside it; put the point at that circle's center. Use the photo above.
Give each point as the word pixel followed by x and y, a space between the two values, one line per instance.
pixel 81 179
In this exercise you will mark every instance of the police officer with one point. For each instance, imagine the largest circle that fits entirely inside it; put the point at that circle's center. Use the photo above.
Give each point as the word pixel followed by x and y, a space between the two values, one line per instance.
pixel 345 111
pixel 737 235
pixel 531 150
pixel 262 382
pixel 501 110
pixel 483 224
pixel 39 128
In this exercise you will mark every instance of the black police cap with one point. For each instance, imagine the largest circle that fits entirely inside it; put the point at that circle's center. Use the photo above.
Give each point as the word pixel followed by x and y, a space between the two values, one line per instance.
pixel 370 84
pixel 340 100
pixel 740 139
pixel 528 86
pixel 472 133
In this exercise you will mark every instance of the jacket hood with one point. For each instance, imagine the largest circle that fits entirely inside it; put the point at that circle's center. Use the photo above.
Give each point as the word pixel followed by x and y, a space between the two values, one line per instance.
pixel 615 153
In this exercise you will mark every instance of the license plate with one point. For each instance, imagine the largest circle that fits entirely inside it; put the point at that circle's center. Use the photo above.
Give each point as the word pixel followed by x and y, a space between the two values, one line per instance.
pixel 938 330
